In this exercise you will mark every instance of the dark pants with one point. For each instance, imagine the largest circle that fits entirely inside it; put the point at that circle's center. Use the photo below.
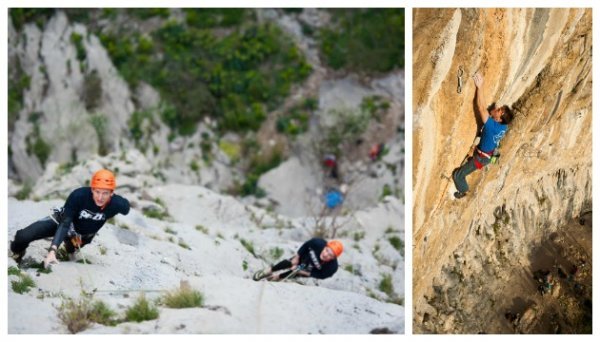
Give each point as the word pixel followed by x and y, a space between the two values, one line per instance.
pixel 44 228
pixel 283 265
pixel 460 175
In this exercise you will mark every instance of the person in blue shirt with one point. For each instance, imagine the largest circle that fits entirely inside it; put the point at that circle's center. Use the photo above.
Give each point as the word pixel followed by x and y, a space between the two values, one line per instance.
pixel 495 125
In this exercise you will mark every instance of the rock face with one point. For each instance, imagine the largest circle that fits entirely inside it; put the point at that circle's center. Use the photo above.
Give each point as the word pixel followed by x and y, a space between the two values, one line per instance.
pixel 214 243
pixel 539 61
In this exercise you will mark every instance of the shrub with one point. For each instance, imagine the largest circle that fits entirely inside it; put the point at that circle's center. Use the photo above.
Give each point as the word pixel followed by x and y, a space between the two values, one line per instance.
pixel 386 191
pixel 77 40
pixel 147 13
pixel 276 253
pixel 102 314
pixel 386 286
pixel 397 243
pixel 24 192
pixel 14 271
pixel 75 315
pixel 142 310
pixel 183 245
pixel 18 81
pixel 214 17
pixel 183 298
pixel 368 40
pixel 21 16
pixel 232 150
pixel 194 166
pixel 249 246
pixel 99 121
pixel 202 229
pixel 235 77
pixel 24 284
pixel 92 90
pixel 79 315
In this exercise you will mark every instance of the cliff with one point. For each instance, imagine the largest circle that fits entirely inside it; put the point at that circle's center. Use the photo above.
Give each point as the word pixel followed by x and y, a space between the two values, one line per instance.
pixel 539 62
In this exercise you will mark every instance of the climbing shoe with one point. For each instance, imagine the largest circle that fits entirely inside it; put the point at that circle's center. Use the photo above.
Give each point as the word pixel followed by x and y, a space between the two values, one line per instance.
pixel 459 195
pixel 18 257
pixel 259 275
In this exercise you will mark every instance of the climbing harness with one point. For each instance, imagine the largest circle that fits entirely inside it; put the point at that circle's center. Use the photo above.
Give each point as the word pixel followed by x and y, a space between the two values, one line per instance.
pixel 459 76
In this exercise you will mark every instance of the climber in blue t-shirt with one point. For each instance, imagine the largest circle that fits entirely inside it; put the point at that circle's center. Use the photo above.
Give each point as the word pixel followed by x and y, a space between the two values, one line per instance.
pixel 495 125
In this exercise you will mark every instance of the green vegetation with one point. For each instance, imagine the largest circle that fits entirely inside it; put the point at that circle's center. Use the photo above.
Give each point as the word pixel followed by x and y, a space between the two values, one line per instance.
pixel 359 236
pixel 350 124
pixel 12 270
pixel 77 40
pixel 235 76
pixel 249 246
pixel 364 40
pixel 194 166
pixel 386 286
pixel 397 243
pixel 21 16
pixel 202 229
pixel 206 148
pixel 92 90
pixel 24 192
pixel 18 81
pixel 155 213
pixel 170 230
pixel 147 13
pixel 24 284
pixel 183 298
pixel 375 105
pixel 232 150
pixel 350 268
pixel 258 166
pixel 183 245
pixel 296 120
pixel 276 253
pixel 215 17
pixel 35 144
pixel 386 191
pixel 136 126
pixel 142 310
pixel 99 122
pixel 79 315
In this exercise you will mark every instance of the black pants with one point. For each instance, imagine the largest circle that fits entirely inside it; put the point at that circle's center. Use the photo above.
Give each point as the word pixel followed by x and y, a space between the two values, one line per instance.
pixel 44 228
pixel 282 265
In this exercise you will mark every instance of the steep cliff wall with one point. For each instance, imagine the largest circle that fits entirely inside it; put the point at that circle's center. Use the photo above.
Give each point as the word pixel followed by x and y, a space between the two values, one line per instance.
pixel 538 61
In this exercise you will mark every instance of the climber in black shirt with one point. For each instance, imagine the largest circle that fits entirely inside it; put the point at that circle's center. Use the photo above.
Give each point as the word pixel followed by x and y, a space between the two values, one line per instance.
pixel 316 258
pixel 84 213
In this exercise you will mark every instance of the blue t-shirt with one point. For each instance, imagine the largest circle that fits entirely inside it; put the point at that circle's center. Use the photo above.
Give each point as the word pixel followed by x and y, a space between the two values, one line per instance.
pixel 333 199
pixel 491 135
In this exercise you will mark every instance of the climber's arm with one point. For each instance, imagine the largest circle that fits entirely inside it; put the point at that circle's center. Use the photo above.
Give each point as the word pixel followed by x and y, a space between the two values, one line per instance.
pixel 480 96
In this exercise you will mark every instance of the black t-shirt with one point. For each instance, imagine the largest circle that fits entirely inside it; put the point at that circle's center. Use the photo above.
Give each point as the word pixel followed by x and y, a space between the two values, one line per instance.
pixel 310 253
pixel 87 218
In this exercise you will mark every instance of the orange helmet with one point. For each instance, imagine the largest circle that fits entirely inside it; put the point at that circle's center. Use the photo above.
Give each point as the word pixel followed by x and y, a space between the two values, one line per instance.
pixel 336 246
pixel 103 179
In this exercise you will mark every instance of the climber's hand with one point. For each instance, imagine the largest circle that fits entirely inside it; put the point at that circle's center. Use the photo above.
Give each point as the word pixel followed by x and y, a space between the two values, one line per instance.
pixel 478 78
pixel 50 259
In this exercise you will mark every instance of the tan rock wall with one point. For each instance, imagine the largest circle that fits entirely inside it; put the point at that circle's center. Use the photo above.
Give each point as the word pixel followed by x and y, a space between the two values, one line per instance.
pixel 538 61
